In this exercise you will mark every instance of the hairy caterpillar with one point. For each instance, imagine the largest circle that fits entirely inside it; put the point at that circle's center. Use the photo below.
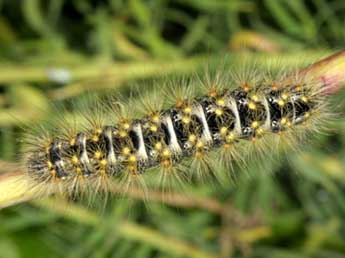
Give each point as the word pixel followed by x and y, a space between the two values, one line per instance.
pixel 179 138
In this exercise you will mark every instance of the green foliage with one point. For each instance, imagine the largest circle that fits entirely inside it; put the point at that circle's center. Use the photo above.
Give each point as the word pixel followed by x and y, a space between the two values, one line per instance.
pixel 53 51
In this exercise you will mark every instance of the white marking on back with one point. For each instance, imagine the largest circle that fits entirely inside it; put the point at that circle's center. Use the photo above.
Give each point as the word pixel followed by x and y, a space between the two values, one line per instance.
pixel 267 124
pixel 141 154
pixel 84 158
pixel 174 146
pixel 111 158
pixel 199 112
pixel 231 103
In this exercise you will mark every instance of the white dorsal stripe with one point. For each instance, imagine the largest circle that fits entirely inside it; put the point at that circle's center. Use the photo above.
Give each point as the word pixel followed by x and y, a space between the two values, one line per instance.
pixel 267 124
pixel 231 103
pixel 174 146
pixel 111 158
pixel 199 112
pixel 141 153
pixel 84 158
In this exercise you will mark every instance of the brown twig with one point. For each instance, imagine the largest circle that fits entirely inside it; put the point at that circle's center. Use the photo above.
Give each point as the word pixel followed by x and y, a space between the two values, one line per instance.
pixel 328 72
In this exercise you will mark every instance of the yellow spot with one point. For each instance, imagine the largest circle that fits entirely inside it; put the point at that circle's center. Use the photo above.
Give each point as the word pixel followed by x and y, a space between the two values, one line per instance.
pixel 200 144
pixel 78 171
pixel 72 142
pixel 186 119
pixel 132 158
pixel 255 124
pixel 192 138
pixel 99 130
pixel 75 159
pixel 255 98
pixel 284 96
pixel 252 105
pixel 304 99
pixel 153 128
pixel 281 102
pixel 158 146
pixel 199 154
pixel 49 164
pixel 131 168
pixel 95 138
pixel 155 118
pixel 166 153
pixel 97 155
pixel 230 137
pixel 283 121
pixel 219 112
pixel 188 110
pixel 307 115
pixel 289 124
pixel 126 151
pixel 103 162
pixel 223 130
pixel 260 131
pixel 125 126
pixel 221 102
pixel 123 133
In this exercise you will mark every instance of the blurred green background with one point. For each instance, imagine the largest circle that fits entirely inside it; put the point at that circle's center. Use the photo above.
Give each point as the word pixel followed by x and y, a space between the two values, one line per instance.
pixel 53 51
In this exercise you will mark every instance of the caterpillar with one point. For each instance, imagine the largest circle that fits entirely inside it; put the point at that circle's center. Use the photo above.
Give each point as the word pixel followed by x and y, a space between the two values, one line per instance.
pixel 179 138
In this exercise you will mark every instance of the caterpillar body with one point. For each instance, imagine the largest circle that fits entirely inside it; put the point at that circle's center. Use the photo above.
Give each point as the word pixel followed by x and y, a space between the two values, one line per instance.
pixel 224 121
